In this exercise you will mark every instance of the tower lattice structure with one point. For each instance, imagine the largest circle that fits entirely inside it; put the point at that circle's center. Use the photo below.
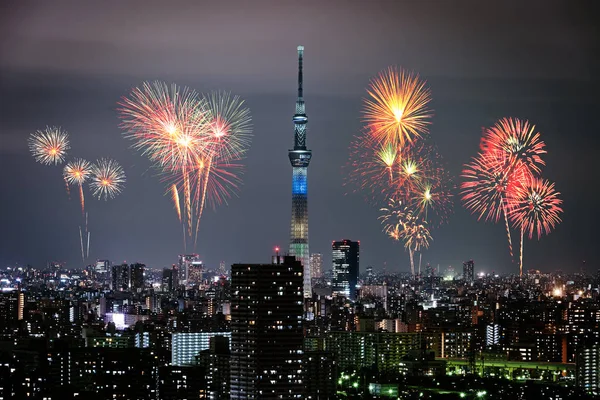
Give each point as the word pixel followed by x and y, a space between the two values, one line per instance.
pixel 300 158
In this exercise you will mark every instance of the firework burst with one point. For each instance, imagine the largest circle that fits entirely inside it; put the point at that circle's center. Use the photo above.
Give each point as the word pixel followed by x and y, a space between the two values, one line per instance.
pixel 518 141
pixel 49 146
pixel 396 109
pixel 77 172
pixel 536 207
pixel 404 223
pixel 107 179
pixel 195 141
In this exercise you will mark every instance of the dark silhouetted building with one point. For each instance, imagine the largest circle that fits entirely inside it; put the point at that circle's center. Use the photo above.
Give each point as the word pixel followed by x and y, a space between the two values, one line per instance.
pixel 120 277
pixel 136 274
pixel 267 336
pixel 468 271
pixel 345 258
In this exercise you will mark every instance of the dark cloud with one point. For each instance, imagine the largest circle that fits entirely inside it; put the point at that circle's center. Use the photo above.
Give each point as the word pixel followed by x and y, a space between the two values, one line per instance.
pixel 68 64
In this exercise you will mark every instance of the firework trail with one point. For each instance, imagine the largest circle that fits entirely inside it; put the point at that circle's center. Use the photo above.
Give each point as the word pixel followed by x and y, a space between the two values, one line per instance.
pixel 403 223
pixel 396 109
pixel 49 146
pixel 488 183
pixel 81 241
pixel 107 179
pixel 175 197
pixel 77 172
pixel 535 207
pixel 88 244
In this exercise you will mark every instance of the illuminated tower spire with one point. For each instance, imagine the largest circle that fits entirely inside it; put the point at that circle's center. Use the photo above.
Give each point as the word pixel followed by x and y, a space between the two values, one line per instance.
pixel 300 158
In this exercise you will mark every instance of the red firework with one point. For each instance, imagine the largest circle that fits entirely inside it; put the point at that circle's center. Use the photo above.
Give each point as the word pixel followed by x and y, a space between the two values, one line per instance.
pixel 535 207
pixel 488 182
pixel 518 141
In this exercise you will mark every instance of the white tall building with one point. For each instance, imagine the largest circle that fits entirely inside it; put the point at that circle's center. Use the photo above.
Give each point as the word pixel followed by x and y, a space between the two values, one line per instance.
pixel 316 265
pixel 185 261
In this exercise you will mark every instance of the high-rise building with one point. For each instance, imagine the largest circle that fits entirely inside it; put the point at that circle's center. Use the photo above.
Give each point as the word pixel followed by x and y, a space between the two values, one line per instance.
pixel 170 278
pixel 102 270
pixel 136 273
pixel 195 270
pixel 468 271
pixel 588 364
pixel 345 258
pixel 316 265
pixel 184 263
pixel 300 158
pixel 120 277
pixel 266 330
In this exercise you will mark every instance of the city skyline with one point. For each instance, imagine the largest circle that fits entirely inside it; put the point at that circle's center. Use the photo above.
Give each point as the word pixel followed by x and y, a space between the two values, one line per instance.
pixel 81 97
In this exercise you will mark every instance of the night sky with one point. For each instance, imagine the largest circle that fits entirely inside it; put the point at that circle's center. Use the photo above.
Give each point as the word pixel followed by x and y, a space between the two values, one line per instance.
pixel 68 64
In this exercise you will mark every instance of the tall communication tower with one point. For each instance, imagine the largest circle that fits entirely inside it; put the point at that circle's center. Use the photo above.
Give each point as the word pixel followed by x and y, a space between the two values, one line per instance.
pixel 300 158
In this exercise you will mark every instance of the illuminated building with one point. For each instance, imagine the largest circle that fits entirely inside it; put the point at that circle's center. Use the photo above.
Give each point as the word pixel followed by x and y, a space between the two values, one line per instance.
pixel 266 323
pixel 492 335
pixel 300 158
pixel 381 350
pixel 184 263
pixel 195 270
pixel 588 365
pixel 102 270
pixel 316 265
pixel 20 305
pixel 345 258
pixel 185 346
pixel 468 271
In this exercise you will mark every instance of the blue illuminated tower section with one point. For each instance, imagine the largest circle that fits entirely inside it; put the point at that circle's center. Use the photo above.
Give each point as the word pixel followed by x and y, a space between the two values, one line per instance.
pixel 300 158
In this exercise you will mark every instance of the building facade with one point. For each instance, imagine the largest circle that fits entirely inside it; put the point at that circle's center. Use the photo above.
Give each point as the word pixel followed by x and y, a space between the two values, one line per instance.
pixel 187 345
pixel 316 265
pixel 345 264
pixel 267 337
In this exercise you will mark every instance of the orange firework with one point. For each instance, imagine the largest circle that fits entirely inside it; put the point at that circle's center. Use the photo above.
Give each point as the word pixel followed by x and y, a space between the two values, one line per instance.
pixel 76 172
pixel 193 139
pixel 396 109
pixel 175 197
pixel 49 146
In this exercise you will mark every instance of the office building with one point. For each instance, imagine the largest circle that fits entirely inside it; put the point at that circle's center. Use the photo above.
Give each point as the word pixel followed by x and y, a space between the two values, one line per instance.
pixel 345 260
pixel 468 271
pixel 170 279
pixel 300 158
pixel 267 337
pixel 185 346
pixel 316 265
pixel 120 277
pixel 136 273
pixel 184 263
pixel 195 271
